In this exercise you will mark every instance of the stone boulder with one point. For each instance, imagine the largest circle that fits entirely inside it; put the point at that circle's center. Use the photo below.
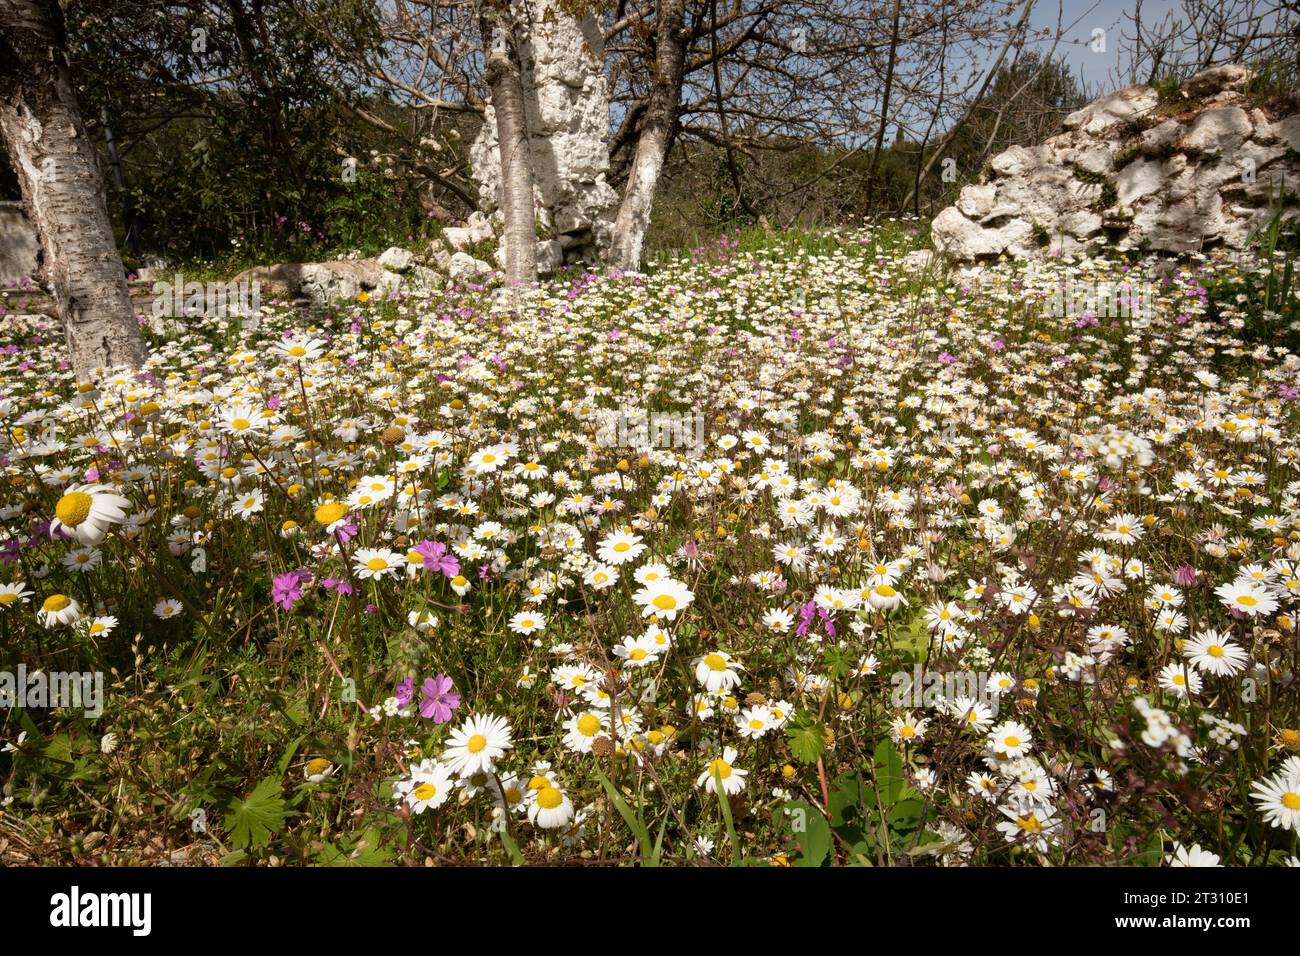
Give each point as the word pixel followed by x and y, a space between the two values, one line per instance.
pixel 396 259
pixel 342 280
pixel 1127 173
pixel 323 283
pixel 465 268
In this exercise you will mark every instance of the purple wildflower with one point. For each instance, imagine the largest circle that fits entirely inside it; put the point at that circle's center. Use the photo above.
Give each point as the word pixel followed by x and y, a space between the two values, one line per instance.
pixel 286 589
pixel 439 699
pixel 806 615
pixel 337 584
pixel 437 558
pixel 826 622
pixel 405 692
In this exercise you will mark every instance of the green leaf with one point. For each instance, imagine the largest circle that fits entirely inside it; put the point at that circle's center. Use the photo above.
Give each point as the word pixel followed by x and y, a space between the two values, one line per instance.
pixel 512 848
pixel 811 832
pixel 905 815
pixel 889 774
pixel 913 639
pixel 860 854
pixel 287 757
pixel 59 747
pixel 845 799
pixel 807 738
pixel 253 820
pixel 634 822
pixel 659 844
pixel 725 803
pixel 927 847
pixel 366 850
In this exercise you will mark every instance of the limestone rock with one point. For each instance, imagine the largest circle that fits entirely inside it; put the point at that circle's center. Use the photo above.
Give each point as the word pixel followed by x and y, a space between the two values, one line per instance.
pixel 1121 175
pixel 1230 76
pixel 464 267
pixel 321 283
pixel 479 228
pixel 1218 131
pixel 457 238
pixel 550 255
pixel 396 259
pixel 1142 177
pixel 567 107
pixel 976 201
pixel 1103 116
pixel 329 282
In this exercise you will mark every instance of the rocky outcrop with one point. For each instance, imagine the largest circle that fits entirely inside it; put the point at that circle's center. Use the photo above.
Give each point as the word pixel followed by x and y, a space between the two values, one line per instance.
pixel 341 280
pixel 1130 173
pixel 567 108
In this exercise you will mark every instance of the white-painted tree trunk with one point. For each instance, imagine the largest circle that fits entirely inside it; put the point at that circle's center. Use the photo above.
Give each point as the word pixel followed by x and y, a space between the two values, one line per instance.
pixel 55 161
pixel 519 235
pixel 652 145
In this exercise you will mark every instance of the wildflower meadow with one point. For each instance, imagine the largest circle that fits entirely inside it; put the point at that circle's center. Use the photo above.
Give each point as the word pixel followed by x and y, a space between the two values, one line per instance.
pixel 921 569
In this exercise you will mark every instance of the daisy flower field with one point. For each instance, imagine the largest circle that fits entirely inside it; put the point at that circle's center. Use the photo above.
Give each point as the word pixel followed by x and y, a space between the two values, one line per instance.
pixel 885 563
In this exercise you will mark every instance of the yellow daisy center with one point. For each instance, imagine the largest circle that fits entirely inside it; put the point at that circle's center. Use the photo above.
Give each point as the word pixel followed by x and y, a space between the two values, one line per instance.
pixel 476 743
pixel 73 508
pixel 330 512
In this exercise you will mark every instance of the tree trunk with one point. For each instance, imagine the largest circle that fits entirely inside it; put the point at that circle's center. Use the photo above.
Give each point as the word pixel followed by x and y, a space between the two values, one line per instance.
pixel 55 162
pixel 652 145
pixel 504 76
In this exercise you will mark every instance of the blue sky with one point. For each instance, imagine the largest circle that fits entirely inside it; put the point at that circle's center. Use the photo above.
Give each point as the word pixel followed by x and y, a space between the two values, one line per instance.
pixel 1099 70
